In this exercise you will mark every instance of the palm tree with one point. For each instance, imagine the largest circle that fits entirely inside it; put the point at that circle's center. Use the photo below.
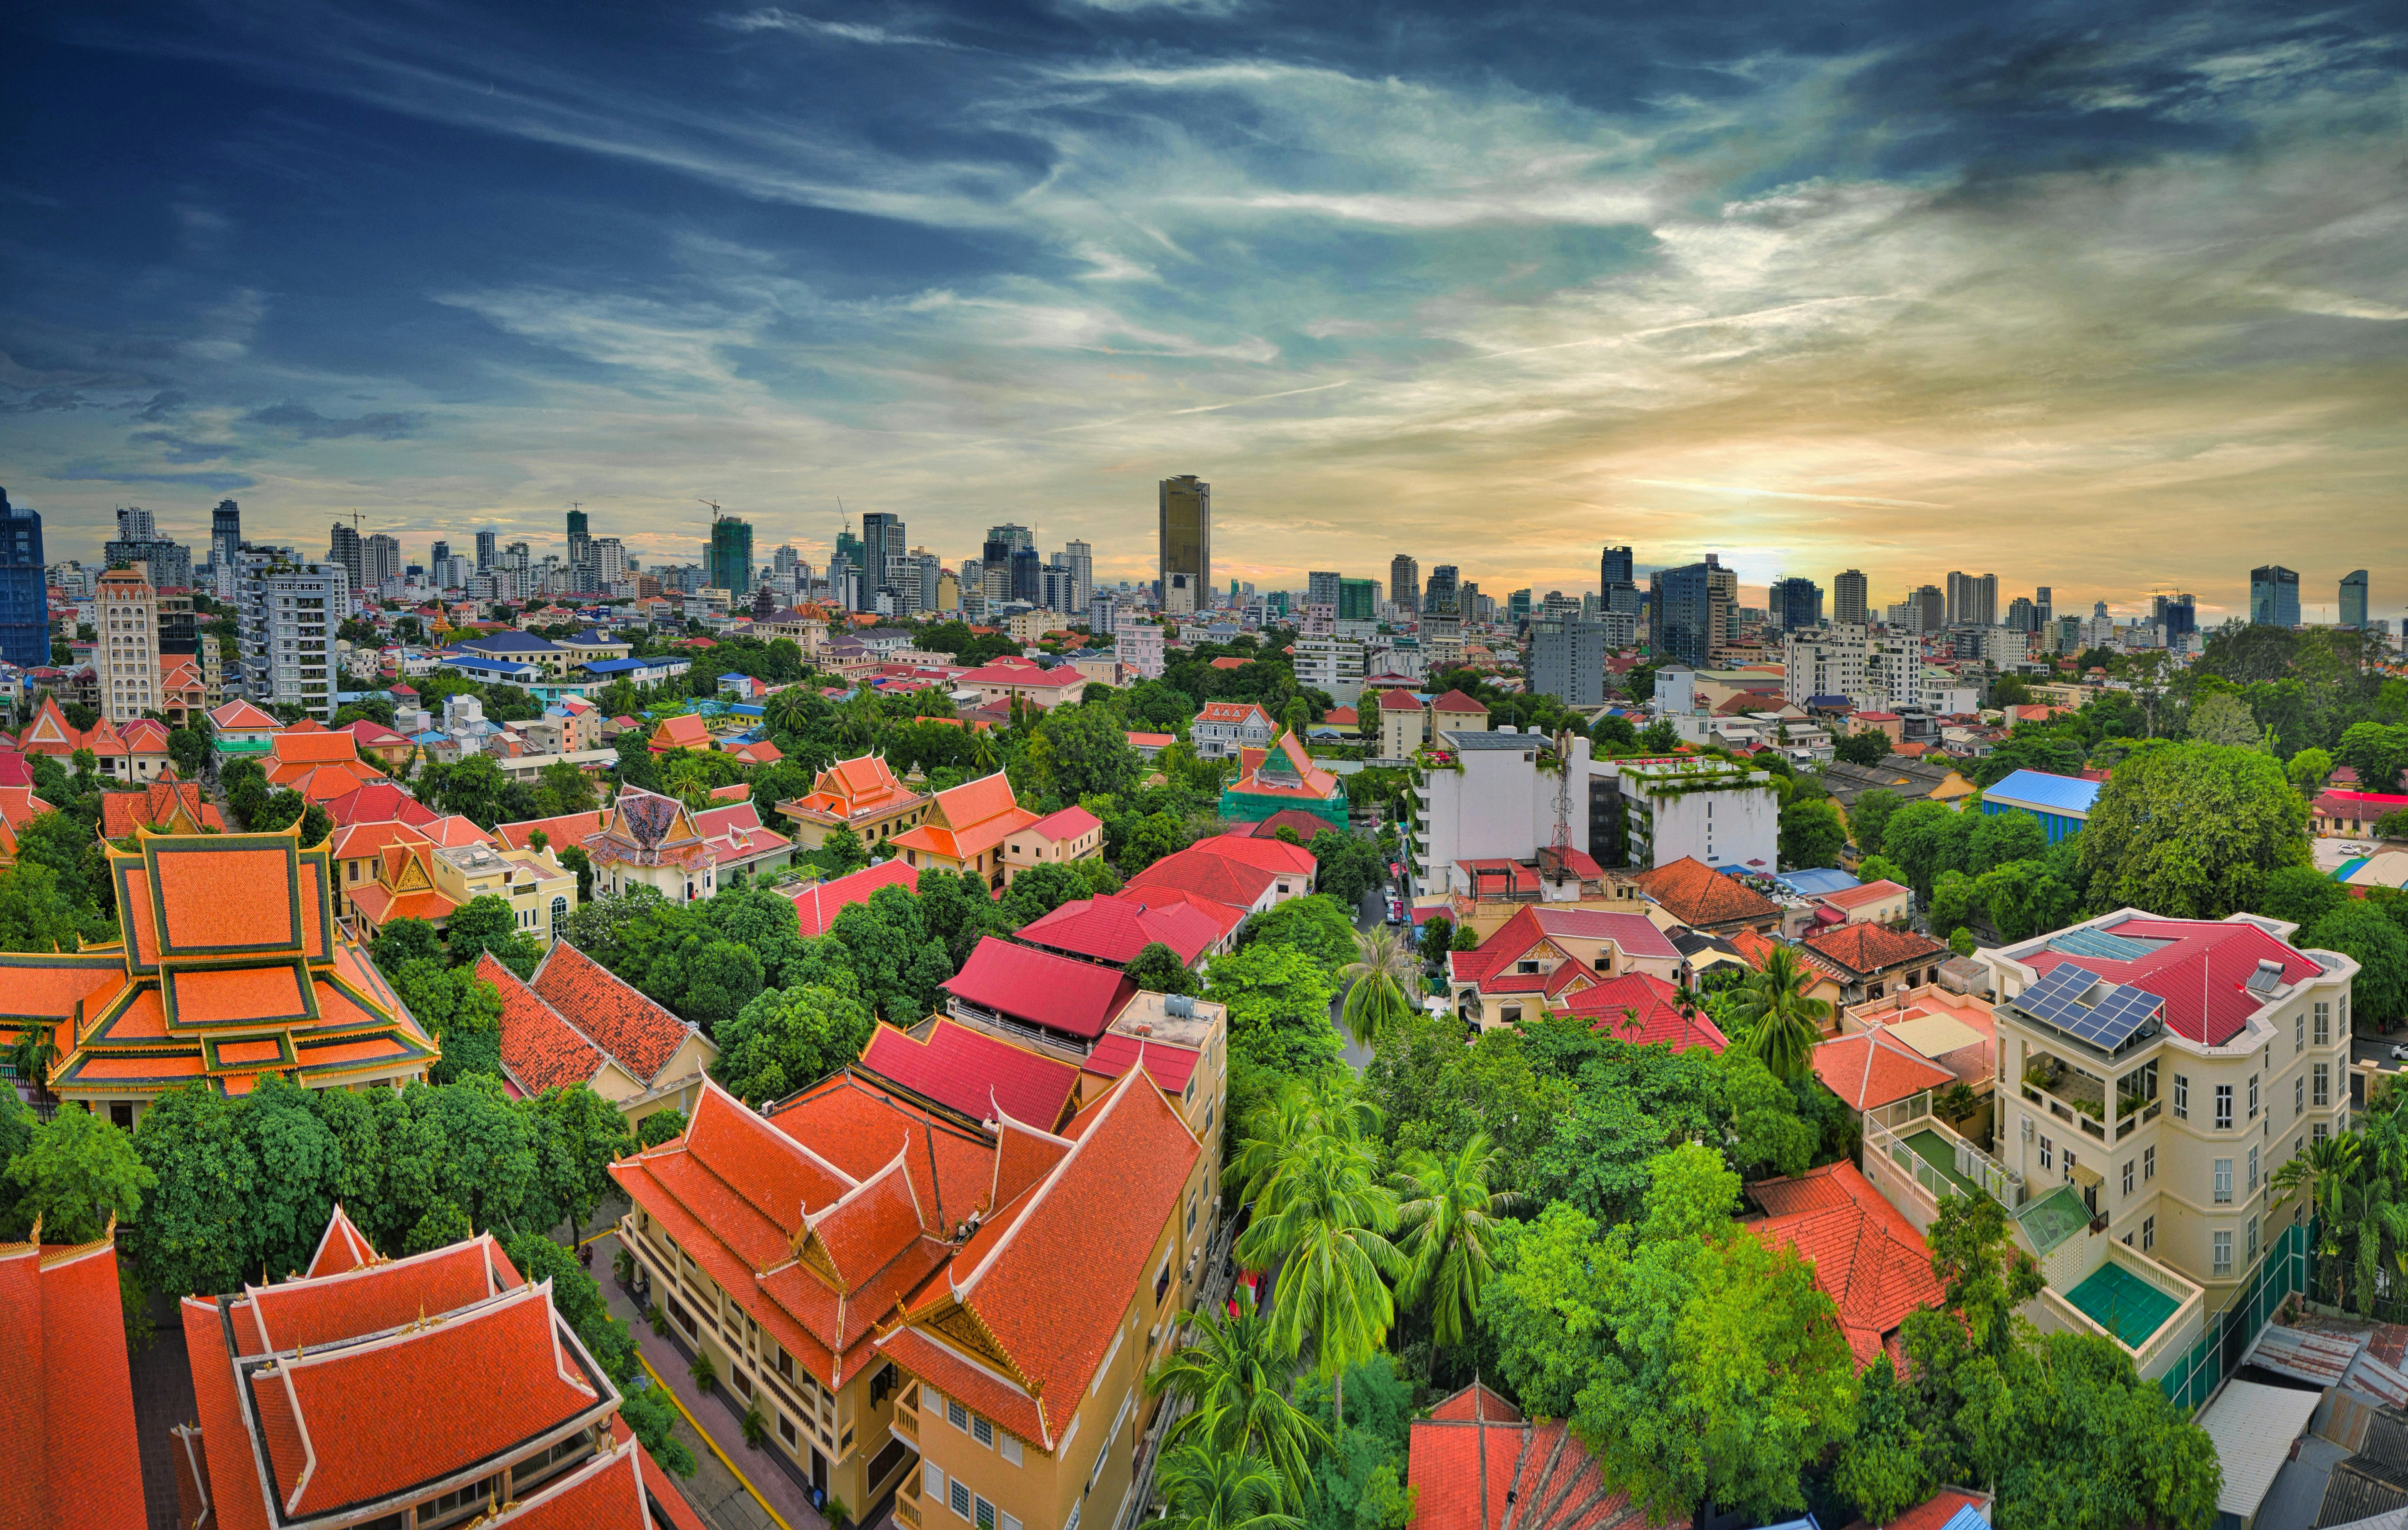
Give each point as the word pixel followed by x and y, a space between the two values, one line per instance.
pixel 686 778
pixel 1779 1024
pixel 1325 1217
pixel 1214 1490
pixel 1449 1218
pixel 856 722
pixel 790 708
pixel 2327 1170
pixel 1383 978
pixel 984 755
pixel 1283 1124
pixel 1236 1375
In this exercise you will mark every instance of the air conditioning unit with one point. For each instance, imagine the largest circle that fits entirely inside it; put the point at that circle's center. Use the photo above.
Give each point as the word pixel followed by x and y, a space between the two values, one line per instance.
pixel 2028 1128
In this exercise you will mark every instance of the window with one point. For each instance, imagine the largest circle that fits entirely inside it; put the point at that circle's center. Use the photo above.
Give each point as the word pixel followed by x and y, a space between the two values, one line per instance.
pixel 2223 1261
pixel 982 1430
pixel 2252 1240
pixel 2299 1033
pixel 2182 1097
pixel 2148 1163
pixel 2223 1182
pixel 787 1432
pixel 1604 964
pixel 1009 1449
pixel 2324 1024
pixel 2317 1132
pixel 2299 1096
pixel 2253 1096
pixel 2148 1234
pixel 2223 1107
pixel 1162 1283
pixel 2324 1085
pixel 959 1501
pixel 2044 1153
pixel 1525 966
pixel 2127 1176
pixel 959 1417
pixel 2253 1171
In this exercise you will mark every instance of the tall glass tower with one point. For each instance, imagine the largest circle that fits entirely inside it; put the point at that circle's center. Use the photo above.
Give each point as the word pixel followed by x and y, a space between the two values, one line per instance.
pixel 729 565
pixel 1185 543
pixel 2353 599
pixel 24 604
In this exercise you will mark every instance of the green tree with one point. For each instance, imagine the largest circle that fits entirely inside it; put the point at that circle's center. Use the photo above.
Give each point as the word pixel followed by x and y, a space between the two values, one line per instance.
pixel 2363 933
pixel 576 1296
pixel 1438 939
pixel 1952 902
pixel 1158 969
pixel 1864 747
pixel 1769 1135
pixel 1315 925
pixel 488 923
pixel 1778 1023
pixel 577 1134
pixel 1811 834
pixel 2220 717
pixel 1209 1489
pixel 1448 1218
pixel 2190 831
pixel 1383 986
pixel 1235 1375
pixel 2308 769
pixel 36 911
pixel 443 1225
pixel 1926 839
pixel 2377 751
pixel 1091 752
pixel 659 1127
pixel 841 851
pixel 75 1175
pixel 1996 839
pixel 1659 737
pixel 783 1040
pixel 1279 1009
pixel 2300 894
pixel 1883 1470
pixel 195 1235
pixel 1868 815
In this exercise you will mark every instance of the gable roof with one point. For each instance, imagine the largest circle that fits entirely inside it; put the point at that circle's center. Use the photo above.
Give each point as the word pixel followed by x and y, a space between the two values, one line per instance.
pixel 1873 1068
pixel 1273 855
pixel 817 904
pixel 1455 701
pixel 161 804
pixel 1868 1258
pixel 243 717
pixel 1038 988
pixel 1696 894
pixel 1114 929
pixel 967 821
pixel 1477 1463
pixel 1865 948
pixel 540 1049
pixel 379 801
pixel 636 1033
pixel 1652 1004
pixel 68 1390
pixel 976 1074
pixel 1218 877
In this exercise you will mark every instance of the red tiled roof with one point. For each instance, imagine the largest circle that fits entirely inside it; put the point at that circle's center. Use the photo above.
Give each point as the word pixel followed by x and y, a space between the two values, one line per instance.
pixel 1866 950
pixel 122 812
pixel 1163 895
pixel 1476 1464
pixel 817 905
pixel 1115 928
pixel 1534 925
pixel 1065 824
pixel 341 1247
pixel 540 1049
pixel 1934 1511
pixel 1400 701
pixel 66 1393
pixel 243 717
pixel 1218 877
pixel 1233 711
pixel 2202 971
pixel 1857 897
pixel 379 801
pixel 1868 1258
pixel 1268 855
pixel 559 833
pixel 974 1073
pixel 636 1033
pixel 1697 894
pixel 1455 701
pixel 1653 1001
pixel 1077 998
pixel 1169 1066
pixel 1871 1070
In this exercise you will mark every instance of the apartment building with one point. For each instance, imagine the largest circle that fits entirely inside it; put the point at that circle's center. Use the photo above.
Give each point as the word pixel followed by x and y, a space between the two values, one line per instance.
pixel 289 612
pixel 1872 668
pixel 1705 809
pixel 127 660
pixel 1331 664
pixel 2166 1069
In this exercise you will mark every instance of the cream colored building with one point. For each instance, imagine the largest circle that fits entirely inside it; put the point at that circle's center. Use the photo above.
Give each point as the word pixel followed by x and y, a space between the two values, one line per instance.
pixel 125 658
pixel 2167 1068
pixel 542 893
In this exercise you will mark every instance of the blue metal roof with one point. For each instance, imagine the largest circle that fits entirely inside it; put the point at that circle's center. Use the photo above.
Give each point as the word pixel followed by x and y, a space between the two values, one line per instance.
pixel 623 667
pixel 2047 792
pixel 510 642
pixel 1967 1518
pixel 1812 881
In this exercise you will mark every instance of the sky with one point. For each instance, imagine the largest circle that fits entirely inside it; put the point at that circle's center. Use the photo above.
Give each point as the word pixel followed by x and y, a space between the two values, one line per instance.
pixel 2111 298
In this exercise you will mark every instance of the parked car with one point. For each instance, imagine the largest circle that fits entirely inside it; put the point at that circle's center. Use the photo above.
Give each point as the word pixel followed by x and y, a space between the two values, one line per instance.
pixel 1395 909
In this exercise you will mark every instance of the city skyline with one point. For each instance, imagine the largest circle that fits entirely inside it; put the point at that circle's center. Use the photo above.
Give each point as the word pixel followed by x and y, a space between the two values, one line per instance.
pixel 1775 289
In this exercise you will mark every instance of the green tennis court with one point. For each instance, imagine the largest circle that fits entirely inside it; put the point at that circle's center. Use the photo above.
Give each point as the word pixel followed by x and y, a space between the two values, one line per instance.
pixel 2122 1302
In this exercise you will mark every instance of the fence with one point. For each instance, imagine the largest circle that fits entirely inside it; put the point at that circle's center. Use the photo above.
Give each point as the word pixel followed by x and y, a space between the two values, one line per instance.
pixel 2333 1287
pixel 2229 1333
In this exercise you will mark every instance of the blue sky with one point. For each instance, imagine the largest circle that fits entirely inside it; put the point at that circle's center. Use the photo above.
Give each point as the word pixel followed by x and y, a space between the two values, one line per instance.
pixel 2106 297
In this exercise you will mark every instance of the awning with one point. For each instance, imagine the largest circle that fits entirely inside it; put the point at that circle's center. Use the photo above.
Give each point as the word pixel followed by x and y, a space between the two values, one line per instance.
pixel 1936 1036
pixel 2253 1426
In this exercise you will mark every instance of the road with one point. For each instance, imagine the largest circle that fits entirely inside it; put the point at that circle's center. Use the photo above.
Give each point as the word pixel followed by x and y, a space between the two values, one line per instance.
pixel 1369 914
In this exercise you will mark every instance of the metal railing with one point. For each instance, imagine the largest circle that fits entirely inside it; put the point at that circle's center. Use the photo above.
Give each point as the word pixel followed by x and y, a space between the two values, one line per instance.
pixel 1213 1290
pixel 2001 1183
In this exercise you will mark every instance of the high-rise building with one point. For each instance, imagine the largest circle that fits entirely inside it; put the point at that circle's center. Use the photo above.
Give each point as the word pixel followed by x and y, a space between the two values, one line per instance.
pixel 580 551
pixel 288 614
pixel 435 554
pixel 1321 589
pixel 1518 607
pixel 728 564
pixel 1795 604
pixel 136 525
pixel 1080 559
pixel 2179 617
pixel 848 546
pixel 1848 597
pixel 2353 599
pixel 25 601
pixel 881 543
pixel 1691 610
pixel 168 564
pixel 1405 584
pixel 486 541
pixel 1027 576
pixel 610 561
pixel 225 533
pixel 1613 567
pixel 379 560
pixel 2274 596
pixel 2020 616
pixel 1973 600
pixel 343 551
pixel 1567 660
pixel 1184 543
pixel 1358 600
pixel 1441 596
pixel 125 657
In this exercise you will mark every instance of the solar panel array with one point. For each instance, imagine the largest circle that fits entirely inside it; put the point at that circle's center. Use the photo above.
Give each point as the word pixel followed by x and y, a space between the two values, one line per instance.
pixel 2119 1014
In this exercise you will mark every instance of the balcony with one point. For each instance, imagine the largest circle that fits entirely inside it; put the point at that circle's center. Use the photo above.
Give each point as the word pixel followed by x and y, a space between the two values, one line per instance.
pixel 907 1415
pixel 1918 1161
pixel 2079 1098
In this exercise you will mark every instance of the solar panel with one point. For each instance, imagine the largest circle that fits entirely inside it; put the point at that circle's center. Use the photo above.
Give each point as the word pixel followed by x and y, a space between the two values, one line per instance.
pixel 2117 1015
pixel 2102 945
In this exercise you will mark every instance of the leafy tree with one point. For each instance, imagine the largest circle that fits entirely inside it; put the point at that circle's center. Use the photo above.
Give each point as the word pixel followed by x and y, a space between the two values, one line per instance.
pixel 2190 831
pixel 659 1127
pixel 1091 751
pixel 488 923
pixel 477 1151
pixel 1466 938
pixel 1997 839
pixel 1659 737
pixel 2392 825
pixel 1779 1024
pixel 36 911
pixel 1158 969
pixel 2308 769
pixel 1448 1221
pixel 2024 898
pixel 577 1134
pixel 403 941
pixel 1811 834
pixel 1235 1375
pixel 1769 1135
pixel 1038 890
pixel 1279 1009
pixel 1864 747
pixel 1614 735
pixel 1348 868
pixel 2377 751
pixel 1436 1092
pixel 1692 1359
pixel 2362 932
pixel 1438 939
pixel 1868 815
pixel 783 1040
pixel 193 1236
pixel 459 1009
pixel 1883 1470
pixel 841 852
pixel 1315 925
pixel 2220 717
pixel 1925 839
pixel 899 963
pixel 1952 902
pixel 1881 868
pixel 443 1225
pixel 75 1175
pixel 2300 894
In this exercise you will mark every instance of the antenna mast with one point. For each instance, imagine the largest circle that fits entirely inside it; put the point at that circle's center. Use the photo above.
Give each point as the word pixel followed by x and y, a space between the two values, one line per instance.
pixel 1562 846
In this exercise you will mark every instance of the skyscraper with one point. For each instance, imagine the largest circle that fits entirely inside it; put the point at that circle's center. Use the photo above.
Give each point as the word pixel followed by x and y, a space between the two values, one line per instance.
pixel 2019 615
pixel 126 658
pixel 1440 596
pixel 379 560
pixel 485 544
pixel 580 551
pixel 1028 581
pixel 343 551
pixel 136 525
pixel 1321 589
pixel 1796 603
pixel 1184 543
pixel 881 543
pixel 1080 559
pixel 24 603
pixel 1927 609
pixel 1689 610
pixel 2274 596
pixel 1002 542
pixel 2181 617
pixel 225 533
pixel 1973 600
pixel 1405 584
pixel 2044 607
pixel 1613 567
pixel 1358 600
pixel 1848 593
pixel 2353 599
pixel 728 564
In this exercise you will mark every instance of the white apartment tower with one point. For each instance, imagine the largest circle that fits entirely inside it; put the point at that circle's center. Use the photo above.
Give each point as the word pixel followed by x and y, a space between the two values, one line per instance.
pixel 288 613
pixel 126 622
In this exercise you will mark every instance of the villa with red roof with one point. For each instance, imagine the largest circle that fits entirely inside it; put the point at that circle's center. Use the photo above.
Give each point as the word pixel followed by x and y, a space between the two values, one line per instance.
pixel 1113 929
pixel 1065 834
pixel 380 801
pixel 168 806
pixel 577 1022
pixel 230 962
pixel 950 1303
pixel 294 1385
pixel 66 1393
pixel 966 827
pixel 1866 1257
pixel 2203 1054
pixel 1550 956
pixel 1704 899
pixel 320 764
pixel 1860 961
pixel 999 681
pixel 1283 777
pixel 1223 728
pixel 134 750
pixel 2338 812
pixel 242 730
pixel 862 795
pixel 1248 875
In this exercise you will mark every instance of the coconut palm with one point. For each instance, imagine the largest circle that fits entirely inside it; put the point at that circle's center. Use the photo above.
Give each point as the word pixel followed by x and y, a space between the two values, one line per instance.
pixel 1449 1218
pixel 1778 1023
pixel 1279 1127
pixel 856 721
pixel 1322 1214
pixel 1236 1375
pixel 984 754
pixel 790 709
pixel 1214 1490
pixel 2327 1170
pixel 1382 980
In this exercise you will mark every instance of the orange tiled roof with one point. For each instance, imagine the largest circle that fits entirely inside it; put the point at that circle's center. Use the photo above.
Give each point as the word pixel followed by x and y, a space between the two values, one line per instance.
pixel 540 1049
pixel 68 1393
pixel 171 806
pixel 636 1033
pixel 567 829
pixel 1697 894
pixel 968 820
pixel 1866 949
pixel 1871 1068
pixel 1868 1258
pixel 1476 1458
